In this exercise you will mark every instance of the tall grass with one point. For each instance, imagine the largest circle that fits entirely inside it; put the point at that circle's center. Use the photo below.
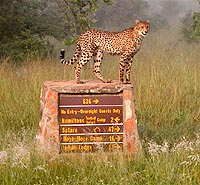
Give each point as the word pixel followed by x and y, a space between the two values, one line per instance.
pixel 167 89
pixel 166 79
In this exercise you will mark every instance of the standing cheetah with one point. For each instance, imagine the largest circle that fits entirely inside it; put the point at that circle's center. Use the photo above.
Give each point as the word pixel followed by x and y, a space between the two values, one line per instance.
pixel 93 43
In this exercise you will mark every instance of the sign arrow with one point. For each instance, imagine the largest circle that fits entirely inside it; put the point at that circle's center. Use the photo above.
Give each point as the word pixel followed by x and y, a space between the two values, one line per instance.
pixel 117 119
pixel 116 146
pixel 117 129
pixel 117 138
pixel 96 101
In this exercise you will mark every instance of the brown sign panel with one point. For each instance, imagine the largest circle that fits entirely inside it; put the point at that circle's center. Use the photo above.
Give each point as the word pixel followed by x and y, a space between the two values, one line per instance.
pixel 66 100
pixel 90 147
pixel 91 138
pixel 93 128
pixel 91 115
pixel 90 123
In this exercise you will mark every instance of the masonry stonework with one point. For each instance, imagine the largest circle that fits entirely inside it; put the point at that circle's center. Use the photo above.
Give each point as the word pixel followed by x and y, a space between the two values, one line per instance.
pixel 48 130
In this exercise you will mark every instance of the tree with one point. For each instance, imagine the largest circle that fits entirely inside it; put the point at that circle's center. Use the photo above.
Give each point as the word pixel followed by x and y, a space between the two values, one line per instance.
pixel 191 26
pixel 196 24
pixel 79 15
pixel 24 24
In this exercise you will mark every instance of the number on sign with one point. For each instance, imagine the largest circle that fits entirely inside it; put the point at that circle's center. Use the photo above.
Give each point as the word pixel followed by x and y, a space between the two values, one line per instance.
pixel 87 101
pixel 111 119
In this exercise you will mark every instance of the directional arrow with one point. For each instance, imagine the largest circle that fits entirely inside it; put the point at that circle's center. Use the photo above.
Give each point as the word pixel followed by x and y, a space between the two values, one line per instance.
pixel 117 138
pixel 117 119
pixel 96 101
pixel 116 146
pixel 117 129
pixel 112 129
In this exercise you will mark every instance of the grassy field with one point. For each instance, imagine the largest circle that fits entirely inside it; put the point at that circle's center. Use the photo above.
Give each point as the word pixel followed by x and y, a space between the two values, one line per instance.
pixel 166 79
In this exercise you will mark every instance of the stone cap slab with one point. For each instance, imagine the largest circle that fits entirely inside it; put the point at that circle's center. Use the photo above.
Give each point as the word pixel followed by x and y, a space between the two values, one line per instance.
pixel 94 86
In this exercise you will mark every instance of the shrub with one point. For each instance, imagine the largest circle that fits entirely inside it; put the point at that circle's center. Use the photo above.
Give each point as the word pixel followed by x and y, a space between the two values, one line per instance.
pixel 25 46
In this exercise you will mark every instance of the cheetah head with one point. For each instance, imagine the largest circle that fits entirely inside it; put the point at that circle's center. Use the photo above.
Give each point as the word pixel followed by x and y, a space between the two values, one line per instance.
pixel 142 27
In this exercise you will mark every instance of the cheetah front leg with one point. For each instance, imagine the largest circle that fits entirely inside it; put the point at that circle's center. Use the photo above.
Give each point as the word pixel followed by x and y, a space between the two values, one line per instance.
pixel 122 68
pixel 125 63
pixel 98 56
pixel 128 69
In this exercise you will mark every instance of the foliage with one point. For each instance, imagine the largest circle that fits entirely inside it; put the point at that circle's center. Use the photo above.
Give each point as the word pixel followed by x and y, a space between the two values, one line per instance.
pixel 25 46
pixel 79 15
pixel 23 27
pixel 196 25
pixel 186 29
pixel 191 27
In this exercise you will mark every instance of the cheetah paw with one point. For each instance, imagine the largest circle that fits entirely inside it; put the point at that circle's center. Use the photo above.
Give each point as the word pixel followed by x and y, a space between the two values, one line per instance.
pixel 108 81
pixel 79 82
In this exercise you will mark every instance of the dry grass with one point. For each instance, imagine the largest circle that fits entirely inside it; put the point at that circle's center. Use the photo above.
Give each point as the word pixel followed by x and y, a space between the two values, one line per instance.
pixel 166 79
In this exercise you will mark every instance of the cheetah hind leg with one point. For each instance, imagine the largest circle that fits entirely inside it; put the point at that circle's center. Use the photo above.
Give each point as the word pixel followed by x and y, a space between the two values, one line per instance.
pixel 98 56
pixel 77 74
pixel 85 57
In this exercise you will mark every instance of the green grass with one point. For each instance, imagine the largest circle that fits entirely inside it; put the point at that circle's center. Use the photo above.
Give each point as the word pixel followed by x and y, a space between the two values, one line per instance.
pixel 166 79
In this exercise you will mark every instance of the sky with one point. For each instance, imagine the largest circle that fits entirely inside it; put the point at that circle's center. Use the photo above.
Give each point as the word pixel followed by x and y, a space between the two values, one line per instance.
pixel 156 6
pixel 172 10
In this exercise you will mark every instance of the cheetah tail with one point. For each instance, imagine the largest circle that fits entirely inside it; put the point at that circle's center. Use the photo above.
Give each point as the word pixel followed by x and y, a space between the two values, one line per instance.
pixel 73 60
pixel 62 57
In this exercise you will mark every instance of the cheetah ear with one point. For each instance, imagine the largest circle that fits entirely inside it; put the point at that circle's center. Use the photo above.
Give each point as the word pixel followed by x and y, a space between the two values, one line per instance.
pixel 147 21
pixel 137 21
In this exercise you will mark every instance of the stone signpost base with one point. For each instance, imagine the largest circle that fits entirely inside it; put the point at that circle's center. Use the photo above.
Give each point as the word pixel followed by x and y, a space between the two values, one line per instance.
pixel 87 117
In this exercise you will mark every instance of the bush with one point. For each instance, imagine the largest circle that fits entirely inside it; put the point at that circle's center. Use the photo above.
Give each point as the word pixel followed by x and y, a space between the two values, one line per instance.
pixel 196 25
pixel 187 29
pixel 25 46
pixel 191 27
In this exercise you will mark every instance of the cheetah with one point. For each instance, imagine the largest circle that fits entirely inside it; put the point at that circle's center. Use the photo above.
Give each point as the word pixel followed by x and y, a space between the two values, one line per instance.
pixel 93 43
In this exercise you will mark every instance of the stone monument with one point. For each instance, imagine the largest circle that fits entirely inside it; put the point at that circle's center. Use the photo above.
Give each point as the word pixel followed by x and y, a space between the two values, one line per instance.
pixel 88 117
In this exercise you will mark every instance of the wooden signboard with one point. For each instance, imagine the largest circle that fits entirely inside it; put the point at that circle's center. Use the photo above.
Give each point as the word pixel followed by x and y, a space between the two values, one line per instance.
pixel 89 123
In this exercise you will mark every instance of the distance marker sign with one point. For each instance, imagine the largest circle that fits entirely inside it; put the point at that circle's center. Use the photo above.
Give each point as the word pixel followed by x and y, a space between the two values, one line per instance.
pixel 88 123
